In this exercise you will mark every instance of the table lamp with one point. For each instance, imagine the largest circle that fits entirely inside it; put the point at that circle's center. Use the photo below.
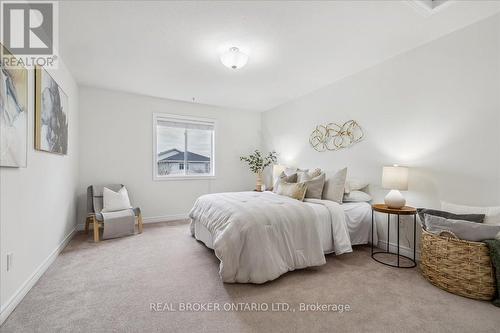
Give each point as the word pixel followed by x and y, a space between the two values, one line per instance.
pixel 395 179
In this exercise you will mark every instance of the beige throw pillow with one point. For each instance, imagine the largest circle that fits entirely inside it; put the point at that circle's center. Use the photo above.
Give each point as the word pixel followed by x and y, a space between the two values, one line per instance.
pixel 292 190
pixel 315 182
pixel 334 186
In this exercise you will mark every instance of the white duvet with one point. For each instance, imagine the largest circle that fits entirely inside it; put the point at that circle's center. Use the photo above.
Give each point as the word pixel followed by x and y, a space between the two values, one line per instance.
pixel 259 236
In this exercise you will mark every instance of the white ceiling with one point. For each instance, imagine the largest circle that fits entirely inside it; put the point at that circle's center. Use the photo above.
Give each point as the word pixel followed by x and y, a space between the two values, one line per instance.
pixel 171 49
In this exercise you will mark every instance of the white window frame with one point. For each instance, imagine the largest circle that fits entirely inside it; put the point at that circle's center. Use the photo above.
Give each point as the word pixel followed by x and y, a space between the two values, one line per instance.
pixel 173 117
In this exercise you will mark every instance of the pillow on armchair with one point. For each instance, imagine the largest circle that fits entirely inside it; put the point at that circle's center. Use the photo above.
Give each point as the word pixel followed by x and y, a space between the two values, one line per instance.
pixel 115 201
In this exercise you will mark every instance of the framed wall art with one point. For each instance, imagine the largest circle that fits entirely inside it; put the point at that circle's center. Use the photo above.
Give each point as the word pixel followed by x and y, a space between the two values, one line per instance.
pixel 13 114
pixel 51 114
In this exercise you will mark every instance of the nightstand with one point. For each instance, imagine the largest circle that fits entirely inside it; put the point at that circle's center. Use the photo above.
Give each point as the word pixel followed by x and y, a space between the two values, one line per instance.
pixel 406 210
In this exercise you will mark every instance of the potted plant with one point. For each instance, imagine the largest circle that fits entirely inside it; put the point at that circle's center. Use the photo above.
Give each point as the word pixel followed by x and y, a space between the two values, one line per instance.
pixel 257 163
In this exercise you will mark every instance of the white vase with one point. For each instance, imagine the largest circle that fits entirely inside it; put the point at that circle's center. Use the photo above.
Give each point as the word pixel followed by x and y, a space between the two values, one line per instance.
pixel 394 199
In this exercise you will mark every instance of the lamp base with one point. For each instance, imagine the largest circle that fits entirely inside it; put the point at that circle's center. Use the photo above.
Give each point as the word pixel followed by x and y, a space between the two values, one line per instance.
pixel 394 199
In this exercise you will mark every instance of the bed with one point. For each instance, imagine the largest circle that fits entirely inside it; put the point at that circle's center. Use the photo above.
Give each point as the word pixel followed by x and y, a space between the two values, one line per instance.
pixel 358 220
pixel 259 236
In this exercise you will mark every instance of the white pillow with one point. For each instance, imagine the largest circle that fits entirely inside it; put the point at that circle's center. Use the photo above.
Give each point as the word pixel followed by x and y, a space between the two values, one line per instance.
pixel 334 186
pixel 492 214
pixel 113 201
pixel 357 196
pixel 354 185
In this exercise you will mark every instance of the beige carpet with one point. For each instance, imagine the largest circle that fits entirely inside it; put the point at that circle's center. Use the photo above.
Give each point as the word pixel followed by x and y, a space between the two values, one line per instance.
pixel 108 287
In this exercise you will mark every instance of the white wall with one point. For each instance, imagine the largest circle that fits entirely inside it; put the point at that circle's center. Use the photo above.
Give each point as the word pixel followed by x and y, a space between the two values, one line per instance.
pixel 37 203
pixel 116 147
pixel 435 108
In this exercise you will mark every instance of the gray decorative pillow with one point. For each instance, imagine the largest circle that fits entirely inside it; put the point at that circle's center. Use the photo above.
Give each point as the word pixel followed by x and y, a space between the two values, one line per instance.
pixel 334 186
pixel 478 218
pixel 314 185
pixel 471 231
pixel 303 175
pixel 290 171
pixel 292 178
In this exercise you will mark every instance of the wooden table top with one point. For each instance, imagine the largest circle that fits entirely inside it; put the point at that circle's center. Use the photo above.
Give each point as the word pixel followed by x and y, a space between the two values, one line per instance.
pixel 406 210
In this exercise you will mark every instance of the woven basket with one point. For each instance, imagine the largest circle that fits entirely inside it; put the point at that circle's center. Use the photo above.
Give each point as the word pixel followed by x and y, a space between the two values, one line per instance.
pixel 458 266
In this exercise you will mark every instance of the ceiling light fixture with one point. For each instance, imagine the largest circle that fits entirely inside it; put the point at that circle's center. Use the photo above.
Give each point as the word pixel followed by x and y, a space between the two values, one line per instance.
pixel 234 58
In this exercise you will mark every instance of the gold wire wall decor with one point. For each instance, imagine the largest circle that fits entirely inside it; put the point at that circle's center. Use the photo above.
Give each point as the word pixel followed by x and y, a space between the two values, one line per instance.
pixel 334 136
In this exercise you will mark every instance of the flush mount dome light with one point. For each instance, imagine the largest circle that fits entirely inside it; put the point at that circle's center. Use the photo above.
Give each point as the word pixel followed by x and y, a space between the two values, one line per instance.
pixel 234 58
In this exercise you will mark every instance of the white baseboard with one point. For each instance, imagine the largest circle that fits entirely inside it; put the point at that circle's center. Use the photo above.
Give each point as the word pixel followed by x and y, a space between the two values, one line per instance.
pixel 151 219
pixel 18 296
pixel 404 250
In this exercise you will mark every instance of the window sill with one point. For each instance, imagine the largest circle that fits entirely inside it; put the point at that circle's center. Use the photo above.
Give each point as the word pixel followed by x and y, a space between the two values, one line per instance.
pixel 160 178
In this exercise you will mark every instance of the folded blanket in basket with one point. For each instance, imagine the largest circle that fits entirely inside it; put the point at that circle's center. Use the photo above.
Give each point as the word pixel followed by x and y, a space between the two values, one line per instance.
pixel 494 246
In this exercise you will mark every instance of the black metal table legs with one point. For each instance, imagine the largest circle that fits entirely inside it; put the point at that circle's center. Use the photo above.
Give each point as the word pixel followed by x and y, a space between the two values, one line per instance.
pixel 397 254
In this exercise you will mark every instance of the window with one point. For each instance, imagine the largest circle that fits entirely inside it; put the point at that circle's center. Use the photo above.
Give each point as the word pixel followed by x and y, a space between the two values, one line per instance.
pixel 183 147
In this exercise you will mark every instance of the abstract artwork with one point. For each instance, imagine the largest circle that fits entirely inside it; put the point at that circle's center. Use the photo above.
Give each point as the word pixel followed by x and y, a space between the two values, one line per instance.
pixel 13 115
pixel 51 114
pixel 334 136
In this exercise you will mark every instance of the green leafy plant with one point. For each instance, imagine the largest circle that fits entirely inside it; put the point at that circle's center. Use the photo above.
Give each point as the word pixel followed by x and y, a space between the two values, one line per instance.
pixel 257 162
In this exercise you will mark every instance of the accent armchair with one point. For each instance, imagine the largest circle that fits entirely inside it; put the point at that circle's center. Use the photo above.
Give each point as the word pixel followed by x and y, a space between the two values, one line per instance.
pixel 95 205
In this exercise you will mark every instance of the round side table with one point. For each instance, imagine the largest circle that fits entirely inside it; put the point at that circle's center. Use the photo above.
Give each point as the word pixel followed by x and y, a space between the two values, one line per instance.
pixel 406 210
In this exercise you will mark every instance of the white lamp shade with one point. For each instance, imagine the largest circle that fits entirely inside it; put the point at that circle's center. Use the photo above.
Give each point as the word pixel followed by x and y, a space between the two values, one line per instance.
pixel 277 170
pixel 234 58
pixel 395 178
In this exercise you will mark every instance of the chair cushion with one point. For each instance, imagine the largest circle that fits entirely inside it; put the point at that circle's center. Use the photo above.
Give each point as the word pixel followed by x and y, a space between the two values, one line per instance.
pixel 99 217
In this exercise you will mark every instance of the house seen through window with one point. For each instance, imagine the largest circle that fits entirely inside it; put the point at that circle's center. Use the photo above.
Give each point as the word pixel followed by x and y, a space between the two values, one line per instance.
pixel 184 147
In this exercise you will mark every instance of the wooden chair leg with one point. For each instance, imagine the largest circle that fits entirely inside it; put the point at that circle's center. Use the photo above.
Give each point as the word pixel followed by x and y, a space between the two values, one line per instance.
pixel 96 229
pixel 139 223
pixel 87 222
